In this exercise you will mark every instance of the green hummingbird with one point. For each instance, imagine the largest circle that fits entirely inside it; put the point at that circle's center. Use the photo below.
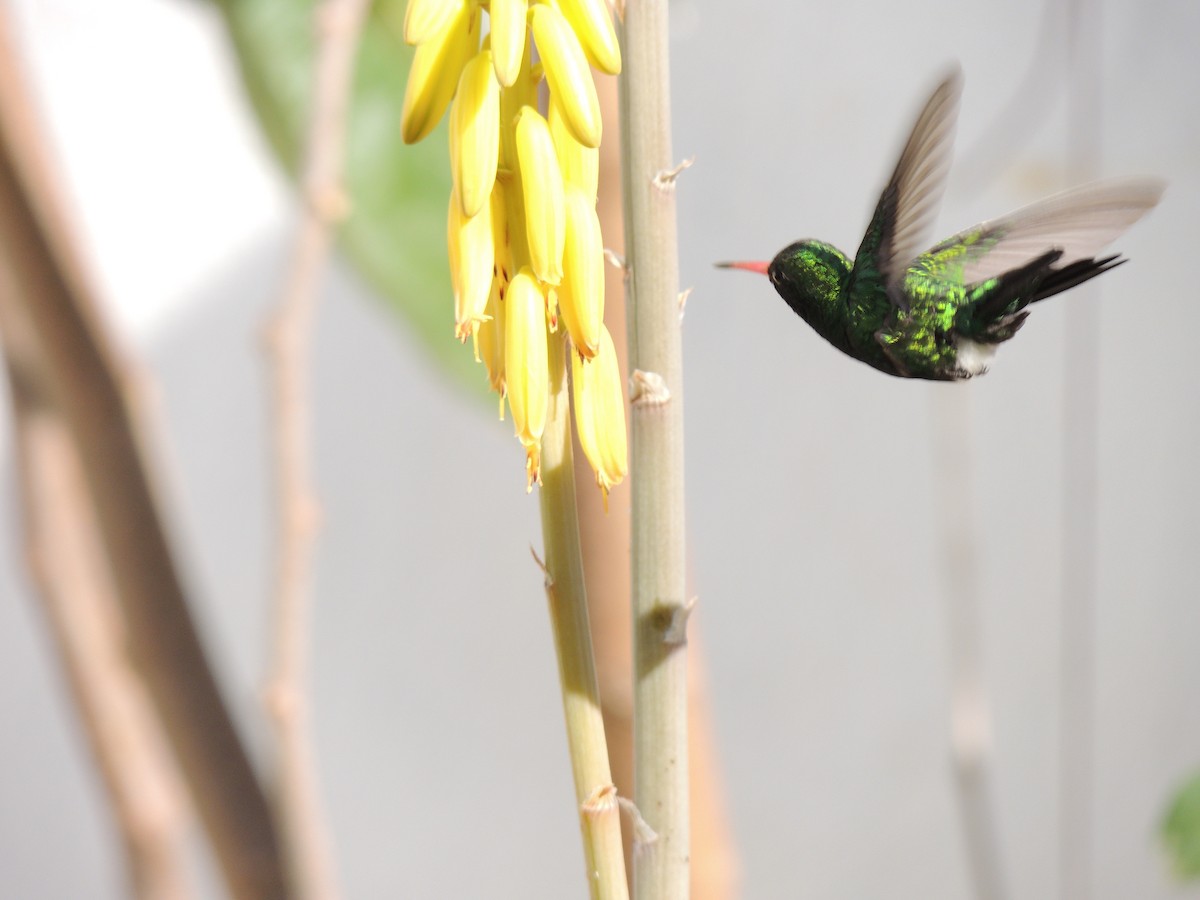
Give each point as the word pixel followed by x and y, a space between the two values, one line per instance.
pixel 940 314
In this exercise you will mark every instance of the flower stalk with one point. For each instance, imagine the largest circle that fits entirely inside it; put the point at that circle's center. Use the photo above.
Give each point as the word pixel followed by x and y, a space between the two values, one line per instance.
pixel 660 610
pixel 524 245
pixel 594 790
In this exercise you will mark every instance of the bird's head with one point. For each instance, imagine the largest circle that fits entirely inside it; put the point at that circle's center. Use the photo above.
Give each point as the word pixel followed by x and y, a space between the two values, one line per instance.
pixel 809 276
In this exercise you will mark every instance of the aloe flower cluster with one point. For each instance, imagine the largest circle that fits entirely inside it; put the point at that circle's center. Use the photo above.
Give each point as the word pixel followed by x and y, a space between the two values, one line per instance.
pixel 526 253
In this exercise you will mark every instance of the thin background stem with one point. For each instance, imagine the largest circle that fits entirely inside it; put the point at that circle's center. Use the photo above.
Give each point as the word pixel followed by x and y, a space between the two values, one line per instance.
pixel 1081 483
pixel 970 716
pixel 88 383
pixel 1027 108
pixel 338 26
pixel 660 609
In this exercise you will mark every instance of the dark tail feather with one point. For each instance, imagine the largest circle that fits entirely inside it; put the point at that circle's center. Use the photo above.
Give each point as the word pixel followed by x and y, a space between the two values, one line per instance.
pixel 1037 280
pixel 1016 286
pixel 1078 272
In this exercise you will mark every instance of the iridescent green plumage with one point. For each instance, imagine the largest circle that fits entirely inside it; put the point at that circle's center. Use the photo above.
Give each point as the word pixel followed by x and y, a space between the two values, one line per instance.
pixel 939 314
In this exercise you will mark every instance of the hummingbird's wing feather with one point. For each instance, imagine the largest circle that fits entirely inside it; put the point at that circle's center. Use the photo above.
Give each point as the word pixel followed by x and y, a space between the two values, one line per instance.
pixel 909 204
pixel 1079 222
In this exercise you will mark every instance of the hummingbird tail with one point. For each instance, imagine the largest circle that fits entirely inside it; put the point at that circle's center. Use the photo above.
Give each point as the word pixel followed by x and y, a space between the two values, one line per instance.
pixel 999 313
pixel 1076 273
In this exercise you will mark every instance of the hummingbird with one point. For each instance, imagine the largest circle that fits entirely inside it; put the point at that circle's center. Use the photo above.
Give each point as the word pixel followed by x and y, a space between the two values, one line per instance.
pixel 940 314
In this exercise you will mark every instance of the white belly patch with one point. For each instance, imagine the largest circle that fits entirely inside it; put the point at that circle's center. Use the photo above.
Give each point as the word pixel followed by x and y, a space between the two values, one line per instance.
pixel 972 357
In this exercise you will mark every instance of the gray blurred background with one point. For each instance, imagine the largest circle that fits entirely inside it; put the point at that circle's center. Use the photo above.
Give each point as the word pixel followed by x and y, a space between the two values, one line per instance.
pixel 814 483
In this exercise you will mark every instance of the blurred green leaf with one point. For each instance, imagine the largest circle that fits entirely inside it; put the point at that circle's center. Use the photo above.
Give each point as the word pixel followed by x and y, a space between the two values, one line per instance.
pixel 396 234
pixel 1181 830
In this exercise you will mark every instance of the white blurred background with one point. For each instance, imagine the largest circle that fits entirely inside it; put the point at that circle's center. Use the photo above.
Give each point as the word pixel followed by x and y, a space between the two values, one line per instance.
pixel 814 484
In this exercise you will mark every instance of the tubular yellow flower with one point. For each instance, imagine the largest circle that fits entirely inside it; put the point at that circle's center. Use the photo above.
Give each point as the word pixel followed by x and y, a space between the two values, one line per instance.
pixel 524 240
pixel 600 412
pixel 542 189
pixel 508 238
pixel 489 340
pixel 475 133
pixel 500 240
pixel 581 294
pixel 436 67
pixel 551 307
pixel 425 18
pixel 567 73
pixel 526 366
pixel 472 259
pixel 508 37
pixel 580 165
pixel 593 26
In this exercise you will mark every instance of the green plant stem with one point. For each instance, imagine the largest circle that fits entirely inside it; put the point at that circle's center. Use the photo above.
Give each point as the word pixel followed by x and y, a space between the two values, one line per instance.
pixel 656 456
pixel 597 796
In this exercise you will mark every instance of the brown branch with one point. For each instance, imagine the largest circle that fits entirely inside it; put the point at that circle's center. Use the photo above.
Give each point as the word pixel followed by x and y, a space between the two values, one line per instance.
pixel 68 571
pixel 338 25
pixel 75 362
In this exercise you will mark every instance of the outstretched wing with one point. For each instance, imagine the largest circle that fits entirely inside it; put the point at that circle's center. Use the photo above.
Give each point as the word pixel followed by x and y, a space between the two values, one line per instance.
pixel 1079 222
pixel 909 204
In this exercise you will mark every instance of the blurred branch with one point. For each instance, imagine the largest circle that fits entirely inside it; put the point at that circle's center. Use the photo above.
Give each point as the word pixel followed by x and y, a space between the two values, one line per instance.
pixel 970 716
pixel 1080 483
pixel 338 25
pixel 1026 110
pixel 67 568
pixel 716 867
pixel 72 361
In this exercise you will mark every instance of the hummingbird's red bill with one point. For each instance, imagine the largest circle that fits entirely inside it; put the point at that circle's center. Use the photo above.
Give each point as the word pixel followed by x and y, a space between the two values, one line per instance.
pixel 759 267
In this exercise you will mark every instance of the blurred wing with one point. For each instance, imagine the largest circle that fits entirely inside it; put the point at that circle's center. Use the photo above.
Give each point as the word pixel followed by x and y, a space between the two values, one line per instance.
pixel 909 204
pixel 1080 222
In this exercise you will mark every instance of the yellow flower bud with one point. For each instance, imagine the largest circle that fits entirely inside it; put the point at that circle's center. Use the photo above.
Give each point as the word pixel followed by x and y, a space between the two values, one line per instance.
pixel 542 189
pixel 475 133
pixel 526 366
pixel 508 37
pixel 580 165
pixel 593 25
pixel 425 18
pixel 581 294
pixel 472 258
pixel 567 73
pixel 436 67
pixel 600 412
